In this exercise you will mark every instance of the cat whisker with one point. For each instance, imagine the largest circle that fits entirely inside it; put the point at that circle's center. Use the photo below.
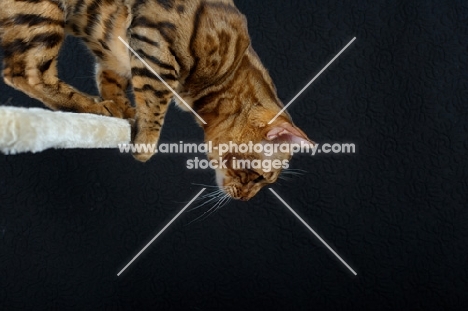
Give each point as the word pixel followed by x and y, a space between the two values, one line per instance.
pixel 211 194
pixel 291 175
pixel 209 186
pixel 294 171
pixel 226 201
pixel 218 205
pixel 286 174
pixel 223 200
pixel 214 198
pixel 216 190
pixel 216 193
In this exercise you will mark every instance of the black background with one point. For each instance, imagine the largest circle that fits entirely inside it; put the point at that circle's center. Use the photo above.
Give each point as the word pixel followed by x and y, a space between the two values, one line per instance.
pixel 396 211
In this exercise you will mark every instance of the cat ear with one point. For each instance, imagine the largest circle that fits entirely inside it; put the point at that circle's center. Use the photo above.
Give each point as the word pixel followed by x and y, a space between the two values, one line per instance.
pixel 288 133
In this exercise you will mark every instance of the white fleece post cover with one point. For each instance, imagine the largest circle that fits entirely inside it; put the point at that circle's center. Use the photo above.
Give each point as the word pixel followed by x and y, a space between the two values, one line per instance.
pixel 35 129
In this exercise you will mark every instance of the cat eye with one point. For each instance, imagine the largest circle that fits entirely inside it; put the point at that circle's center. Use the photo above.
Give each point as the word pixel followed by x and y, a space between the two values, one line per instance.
pixel 258 179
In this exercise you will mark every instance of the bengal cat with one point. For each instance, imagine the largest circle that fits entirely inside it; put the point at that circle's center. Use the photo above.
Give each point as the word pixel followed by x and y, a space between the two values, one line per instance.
pixel 200 48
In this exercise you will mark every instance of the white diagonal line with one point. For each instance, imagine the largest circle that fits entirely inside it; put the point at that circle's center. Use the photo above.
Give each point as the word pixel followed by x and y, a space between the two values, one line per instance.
pixel 160 232
pixel 308 84
pixel 312 230
pixel 159 77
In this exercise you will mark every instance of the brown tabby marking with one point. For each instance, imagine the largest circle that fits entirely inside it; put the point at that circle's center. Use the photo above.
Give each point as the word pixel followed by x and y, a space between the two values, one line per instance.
pixel 200 48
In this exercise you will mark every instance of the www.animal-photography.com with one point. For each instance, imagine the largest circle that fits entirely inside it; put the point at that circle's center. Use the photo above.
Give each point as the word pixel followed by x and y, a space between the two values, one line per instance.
pixel 233 155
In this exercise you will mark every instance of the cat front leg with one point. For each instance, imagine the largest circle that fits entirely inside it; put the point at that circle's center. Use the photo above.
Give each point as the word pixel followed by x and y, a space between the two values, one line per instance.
pixel 153 42
pixel 152 100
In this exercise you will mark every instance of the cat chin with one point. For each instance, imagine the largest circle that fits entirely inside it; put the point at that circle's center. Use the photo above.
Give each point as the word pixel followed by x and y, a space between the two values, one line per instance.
pixel 220 176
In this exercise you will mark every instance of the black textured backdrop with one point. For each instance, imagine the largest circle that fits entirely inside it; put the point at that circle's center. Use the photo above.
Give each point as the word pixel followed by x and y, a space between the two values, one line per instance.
pixel 396 211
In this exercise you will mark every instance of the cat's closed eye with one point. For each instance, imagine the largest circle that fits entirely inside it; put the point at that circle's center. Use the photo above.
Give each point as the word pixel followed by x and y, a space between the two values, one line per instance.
pixel 259 179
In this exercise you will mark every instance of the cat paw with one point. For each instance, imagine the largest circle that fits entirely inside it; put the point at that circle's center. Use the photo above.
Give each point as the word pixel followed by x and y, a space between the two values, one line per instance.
pixel 123 104
pixel 130 113
pixel 142 157
pixel 110 109
pixel 146 143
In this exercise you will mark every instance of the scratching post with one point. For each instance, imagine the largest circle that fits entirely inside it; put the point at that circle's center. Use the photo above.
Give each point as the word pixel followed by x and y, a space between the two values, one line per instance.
pixel 35 129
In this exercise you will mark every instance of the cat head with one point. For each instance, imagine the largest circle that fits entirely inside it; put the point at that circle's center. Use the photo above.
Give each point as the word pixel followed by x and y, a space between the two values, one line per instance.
pixel 257 159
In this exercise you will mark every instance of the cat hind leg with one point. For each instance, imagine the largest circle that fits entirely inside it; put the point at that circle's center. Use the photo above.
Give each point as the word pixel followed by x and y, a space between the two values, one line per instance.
pixel 30 59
